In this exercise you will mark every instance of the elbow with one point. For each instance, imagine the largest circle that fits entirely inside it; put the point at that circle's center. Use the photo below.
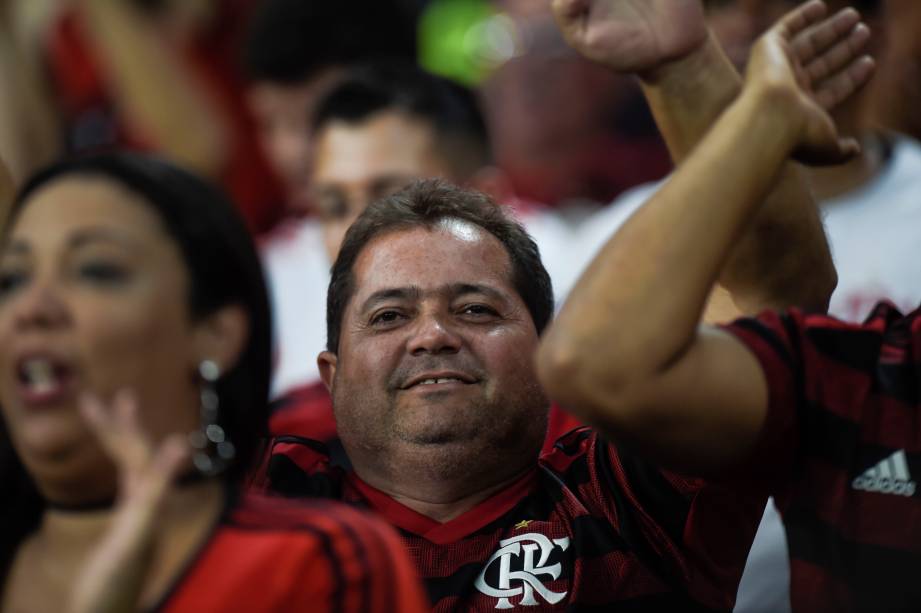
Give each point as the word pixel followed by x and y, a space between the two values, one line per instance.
pixel 570 377
pixel 558 366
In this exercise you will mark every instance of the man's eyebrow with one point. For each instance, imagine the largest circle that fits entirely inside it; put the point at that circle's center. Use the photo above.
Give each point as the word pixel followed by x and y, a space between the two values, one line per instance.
pixel 463 289
pixel 391 293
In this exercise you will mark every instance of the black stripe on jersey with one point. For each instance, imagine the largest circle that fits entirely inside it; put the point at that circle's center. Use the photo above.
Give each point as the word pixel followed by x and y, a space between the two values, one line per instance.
pixel 855 348
pixel 900 381
pixel 829 437
pixel 667 602
pixel 770 337
pixel 629 527
pixel 887 578
pixel 361 553
pixel 288 479
pixel 459 584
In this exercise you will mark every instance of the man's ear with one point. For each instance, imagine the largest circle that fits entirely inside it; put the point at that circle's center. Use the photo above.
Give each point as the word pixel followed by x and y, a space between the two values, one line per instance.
pixel 493 181
pixel 222 336
pixel 327 362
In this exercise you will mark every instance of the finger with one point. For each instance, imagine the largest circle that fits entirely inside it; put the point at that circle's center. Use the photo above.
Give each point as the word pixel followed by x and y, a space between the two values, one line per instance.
pixel 567 10
pixel 116 428
pixel 848 148
pixel 835 90
pixel 815 40
pixel 171 456
pixel 148 489
pixel 98 419
pixel 840 55
pixel 801 18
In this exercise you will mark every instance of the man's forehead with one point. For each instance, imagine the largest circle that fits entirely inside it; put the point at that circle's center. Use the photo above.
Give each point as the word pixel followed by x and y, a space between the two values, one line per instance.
pixel 452 253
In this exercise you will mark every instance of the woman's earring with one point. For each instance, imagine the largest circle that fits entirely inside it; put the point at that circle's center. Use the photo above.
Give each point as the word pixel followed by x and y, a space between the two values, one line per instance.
pixel 213 451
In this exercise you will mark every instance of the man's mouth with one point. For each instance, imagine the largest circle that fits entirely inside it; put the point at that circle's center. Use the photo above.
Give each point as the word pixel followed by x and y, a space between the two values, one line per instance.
pixel 429 379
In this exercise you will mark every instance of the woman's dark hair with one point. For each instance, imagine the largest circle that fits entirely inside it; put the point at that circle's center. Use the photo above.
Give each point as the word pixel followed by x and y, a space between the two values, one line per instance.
pixel 223 268
pixel 20 506
pixel 425 204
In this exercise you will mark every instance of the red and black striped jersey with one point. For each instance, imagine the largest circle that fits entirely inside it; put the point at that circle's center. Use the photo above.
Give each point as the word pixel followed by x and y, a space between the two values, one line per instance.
pixel 590 528
pixel 842 450
pixel 269 554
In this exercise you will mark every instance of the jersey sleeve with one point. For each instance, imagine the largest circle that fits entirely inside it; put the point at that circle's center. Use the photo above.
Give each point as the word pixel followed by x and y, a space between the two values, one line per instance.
pixel 777 340
pixel 273 554
pixel 364 567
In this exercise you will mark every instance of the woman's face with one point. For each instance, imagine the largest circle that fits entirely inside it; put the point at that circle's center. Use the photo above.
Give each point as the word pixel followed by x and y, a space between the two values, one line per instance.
pixel 93 298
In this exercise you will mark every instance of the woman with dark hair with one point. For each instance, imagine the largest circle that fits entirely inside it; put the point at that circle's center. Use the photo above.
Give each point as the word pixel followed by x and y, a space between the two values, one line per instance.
pixel 134 345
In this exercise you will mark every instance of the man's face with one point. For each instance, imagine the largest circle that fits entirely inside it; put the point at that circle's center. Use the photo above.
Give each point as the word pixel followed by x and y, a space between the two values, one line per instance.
pixel 436 354
pixel 283 114
pixel 358 163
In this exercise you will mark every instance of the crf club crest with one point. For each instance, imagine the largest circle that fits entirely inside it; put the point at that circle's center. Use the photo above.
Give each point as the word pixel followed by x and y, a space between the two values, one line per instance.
pixel 516 574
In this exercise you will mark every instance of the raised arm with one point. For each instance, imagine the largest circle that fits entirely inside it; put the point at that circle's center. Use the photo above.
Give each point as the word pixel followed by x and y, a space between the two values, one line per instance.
pixel 153 88
pixel 689 82
pixel 626 352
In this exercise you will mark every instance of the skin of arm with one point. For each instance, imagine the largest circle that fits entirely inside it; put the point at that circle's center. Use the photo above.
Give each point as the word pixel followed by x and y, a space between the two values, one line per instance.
pixel 626 352
pixel 782 259
pixel 28 125
pixel 688 82
pixel 152 87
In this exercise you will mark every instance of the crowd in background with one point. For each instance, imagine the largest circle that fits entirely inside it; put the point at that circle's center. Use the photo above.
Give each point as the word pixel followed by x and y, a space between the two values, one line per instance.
pixel 306 112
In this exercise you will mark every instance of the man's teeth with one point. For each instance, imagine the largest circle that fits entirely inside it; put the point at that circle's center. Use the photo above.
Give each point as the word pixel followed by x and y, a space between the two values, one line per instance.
pixel 434 381
pixel 40 375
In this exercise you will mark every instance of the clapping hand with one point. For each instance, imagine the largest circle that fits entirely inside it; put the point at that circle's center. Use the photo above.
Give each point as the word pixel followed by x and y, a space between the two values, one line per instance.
pixel 113 576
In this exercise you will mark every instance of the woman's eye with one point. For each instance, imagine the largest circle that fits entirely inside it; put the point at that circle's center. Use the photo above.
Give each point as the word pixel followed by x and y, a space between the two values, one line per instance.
pixel 103 272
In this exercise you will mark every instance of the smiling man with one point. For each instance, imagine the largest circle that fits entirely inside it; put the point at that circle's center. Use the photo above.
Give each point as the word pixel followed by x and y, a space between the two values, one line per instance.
pixel 434 313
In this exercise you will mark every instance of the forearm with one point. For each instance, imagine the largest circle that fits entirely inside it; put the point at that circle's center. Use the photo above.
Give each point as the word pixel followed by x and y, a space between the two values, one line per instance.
pixel 783 258
pixel 153 88
pixel 638 305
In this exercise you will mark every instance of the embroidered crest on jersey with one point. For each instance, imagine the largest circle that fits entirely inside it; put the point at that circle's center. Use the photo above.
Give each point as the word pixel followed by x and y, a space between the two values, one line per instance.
pixel 522 570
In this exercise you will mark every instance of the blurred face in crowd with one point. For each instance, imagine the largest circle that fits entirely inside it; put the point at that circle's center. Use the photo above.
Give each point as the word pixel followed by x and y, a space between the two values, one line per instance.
pixel 283 114
pixel 738 23
pixel 435 357
pixel 93 298
pixel 358 163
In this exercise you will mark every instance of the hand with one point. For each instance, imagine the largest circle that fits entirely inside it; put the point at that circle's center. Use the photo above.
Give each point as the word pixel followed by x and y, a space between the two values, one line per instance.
pixel 815 64
pixel 114 573
pixel 635 36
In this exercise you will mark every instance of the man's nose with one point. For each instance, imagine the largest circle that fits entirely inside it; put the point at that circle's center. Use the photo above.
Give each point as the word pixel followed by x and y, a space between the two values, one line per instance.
pixel 433 334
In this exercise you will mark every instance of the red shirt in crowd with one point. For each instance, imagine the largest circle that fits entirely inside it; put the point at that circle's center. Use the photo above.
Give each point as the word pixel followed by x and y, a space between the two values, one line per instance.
pixel 91 120
pixel 276 555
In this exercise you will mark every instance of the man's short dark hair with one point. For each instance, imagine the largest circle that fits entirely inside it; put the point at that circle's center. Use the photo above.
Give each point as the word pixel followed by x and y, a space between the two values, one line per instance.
pixel 293 41
pixel 452 110
pixel 425 204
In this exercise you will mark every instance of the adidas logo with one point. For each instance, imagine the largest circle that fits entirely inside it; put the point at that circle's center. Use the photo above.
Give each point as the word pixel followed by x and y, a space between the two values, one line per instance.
pixel 890 476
